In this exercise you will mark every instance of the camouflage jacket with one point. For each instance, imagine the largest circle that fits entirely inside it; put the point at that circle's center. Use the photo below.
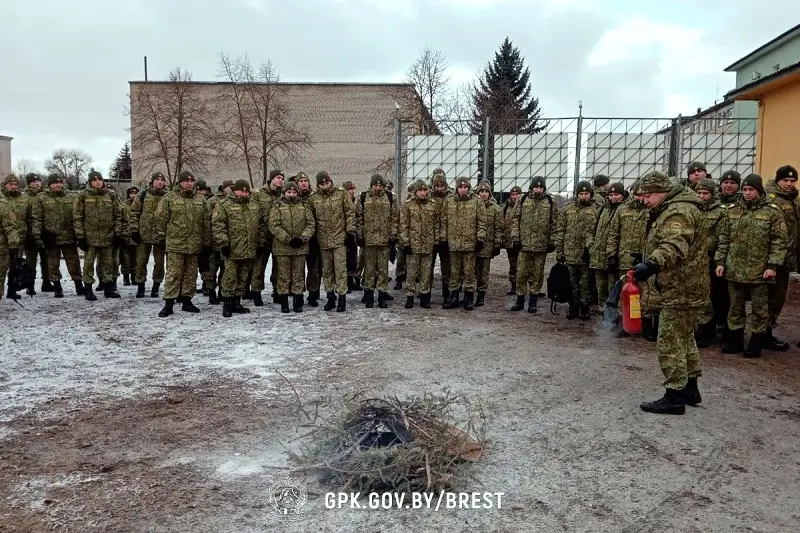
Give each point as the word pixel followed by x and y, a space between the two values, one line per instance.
pixel 377 219
pixel 789 206
pixel 575 222
pixel 507 211
pixel 238 223
pixel 290 218
pixel 10 237
pixel 419 225
pixel 753 238
pixel 142 214
pixel 729 199
pixel 534 222
pixel 713 215
pixel 491 216
pixel 183 222
pixel 676 242
pixel 266 198
pixel 627 233
pixel 51 218
pixel 20 203
pixel 97 217
pixel 597 238
pixel 335 216
pixel 460 225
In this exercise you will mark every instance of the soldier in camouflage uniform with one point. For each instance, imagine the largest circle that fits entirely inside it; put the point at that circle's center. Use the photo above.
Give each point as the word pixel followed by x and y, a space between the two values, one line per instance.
pixel 400 265
pixel 441 192
pixel 216 266
pixel 52 224
pixel 239 231
pixel 419 232
pixel 97 220
pixel 183 223
pixel 674 266
pixel 533 227
pixel 575 222
pixel 605 276
pixel 491 216
pixel 19 204
pixel 314 257
pixel 10 239
pixel 465 235
pixel 335 218
pixel 783 192
pixel 353 271
pixel 695 172
pixel 729 185
pixel 377 221
pixel 142 225
pixel 32 250
pixel 291 224
pixel 752 247
pixel 601 182
pixel 127 254
pixel 266 198
pixel 513 254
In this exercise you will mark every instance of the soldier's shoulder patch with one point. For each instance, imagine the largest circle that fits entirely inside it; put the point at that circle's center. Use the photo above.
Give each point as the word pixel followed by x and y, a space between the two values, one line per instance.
pixel 783 225
pixel 772 195
pixel 774 206
pixel 675 224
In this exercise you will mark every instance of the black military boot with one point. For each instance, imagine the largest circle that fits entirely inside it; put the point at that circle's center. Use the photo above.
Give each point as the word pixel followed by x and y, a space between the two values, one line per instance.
pixel 313 298
pixel 109 291
pixel 350 284
pixel 532 304
pixel 650 328
pixel 769 342
pixel 227 307
pixel 383 300
pixel 88 293
pixel 389 297
pixel 126 280
pixel 341 304
pixel 519 305
pixel 248 294
pixel 167 309
pixel 691 394
pixel 399 283
pixel 479 301
pixel 369 298
pixel 284 299
pixel 58 291
pixel 297 303
pixel 258 301
pixel 202 290
pixel 585 312
pixel 219 293
pixel 735 342
pixel 469 297
pixel 331 303
pixel 724 332
pixel 425 301
pixel 154 290
pixel 11 294
pixel 213 299
pixel 30 291
pixel 672 403
pixel 140 290
pixel 276 298
pixel 409 302
pixel 47 286
pixel 513 290
pixel 754 346
pixel 78 287
pixel 452 301
pixel 238 307
pixel 187 305
pixel 357 286
pixel 445 294
pixel 572 313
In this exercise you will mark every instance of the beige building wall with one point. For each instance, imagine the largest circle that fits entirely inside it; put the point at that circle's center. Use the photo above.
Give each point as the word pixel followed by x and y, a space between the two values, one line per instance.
pixel 5 155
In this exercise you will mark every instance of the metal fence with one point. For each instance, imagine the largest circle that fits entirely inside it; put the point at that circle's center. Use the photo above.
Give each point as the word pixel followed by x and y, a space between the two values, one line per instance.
pixel 567 150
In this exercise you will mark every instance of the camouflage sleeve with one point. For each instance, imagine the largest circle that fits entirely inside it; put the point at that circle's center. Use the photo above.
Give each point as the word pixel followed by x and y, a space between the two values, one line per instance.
pixel 612 243
pixel 134 212
pixel 724 241
pixel 443 222
pixel 349 214
pixel 311 226
pixel 207 243
pixel 119 226
pixel 11 227
pixel 276 229
pixel 592 229
pixel 561 228
pixel 359 217
pixel 480 224
pixel 263 226
pixel 514 218
pixel 675 237
pixel 403 236
pixel 219 228
pixel 78 213
pixel 162 217
pixel 394 224
pixel 37 217
pixel 778 240
pixel 554 220
pixel 499 238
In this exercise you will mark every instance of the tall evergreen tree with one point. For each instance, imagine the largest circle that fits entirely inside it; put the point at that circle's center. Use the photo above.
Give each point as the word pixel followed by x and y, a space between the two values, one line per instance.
pixel 121 169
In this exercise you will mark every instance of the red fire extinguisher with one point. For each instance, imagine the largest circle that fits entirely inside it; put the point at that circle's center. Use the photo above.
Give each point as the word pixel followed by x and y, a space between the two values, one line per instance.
pixel 631 306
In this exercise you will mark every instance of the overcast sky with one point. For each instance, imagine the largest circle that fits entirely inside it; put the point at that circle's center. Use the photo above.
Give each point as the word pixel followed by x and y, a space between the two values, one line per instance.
pixel 66 64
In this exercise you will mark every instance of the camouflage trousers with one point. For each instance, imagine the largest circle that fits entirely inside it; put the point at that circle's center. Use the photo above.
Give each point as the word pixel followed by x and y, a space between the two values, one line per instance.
pixel 70 252
pixel 5 264
pixel 530 272
pixel 462 271
pixel 127 259
pixel 759 306
pixel 260 271
pixel 678 355
pixel 143 257
pixel 604 281
pixel 418 274
pixel 31 254
pixel 376 268
pixel 579 278
pixel 216 269
pixel 352 258
pixel 361 261
pixel 181 279
pixel 334 269
pixel 445 265
pixel 104 256
pixel 234 277
pixel 291 273
pixel 777 295
pixel 313 266
pixel 513 257
pixel 400 263
pixel 482 267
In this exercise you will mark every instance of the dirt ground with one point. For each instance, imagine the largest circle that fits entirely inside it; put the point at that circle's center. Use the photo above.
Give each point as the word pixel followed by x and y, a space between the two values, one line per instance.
pixel 114 420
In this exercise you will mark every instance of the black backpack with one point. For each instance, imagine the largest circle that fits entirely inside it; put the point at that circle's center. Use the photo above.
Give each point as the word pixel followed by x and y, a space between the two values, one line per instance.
pixel 559 288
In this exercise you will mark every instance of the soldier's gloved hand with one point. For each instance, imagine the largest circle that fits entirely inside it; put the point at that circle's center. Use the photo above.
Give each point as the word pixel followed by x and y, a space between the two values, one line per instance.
pixel 585 256
pixel 479 246
pixel 135 237
pixel 495 252
pixel 407 250
pixel 612 262
pixel 645 271
pixel 225 251
pixel 119 241
pixel 295 242
pixel 550 248
pixel 517 245
pixel 83 245
pixel 561 258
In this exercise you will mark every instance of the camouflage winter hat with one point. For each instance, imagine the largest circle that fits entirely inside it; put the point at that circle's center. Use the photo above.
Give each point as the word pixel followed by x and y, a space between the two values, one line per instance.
pixel 289 185
pixel 376 179
pixel 155 176
pixel 438 171
pixel 241 185
pixel 94 175
pixel 185 176
pixel 347 185
pixel 601 179
pixel 733 176
pixel 463 180
pixel 786 171
pixel 201 185
pixel 538 181
pixel 484 185
pixel 301 176
pixel 322 177
pixel 55 178
pixel 439 179
pixel 654 182
pixel 420 184
pixel 705 184
pixel 274 174
pixel 516 188
pixel 618 188
pixel 695 165
pixel 11 178
pixel 754 181
pixel 226 183
pixel 134 190
pixel 584 186
pixel 31 177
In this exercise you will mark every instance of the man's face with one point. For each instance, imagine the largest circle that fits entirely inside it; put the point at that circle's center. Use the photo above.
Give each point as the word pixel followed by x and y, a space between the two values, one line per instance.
pixel 96 184
pixel 377 188
pixel 729 187
pixel 749 193
pixel 159 183
pixel 615 197
pixel 439 187
pixel 601 188
pixel 227 190
pixel 35 185
pixel 484 194
pixel 462 190
pixel 303 184
pixel 584 196
pixel 540 190
pixel 422 193
pixel 12 186
pixel 131 195
pixel 652 199
pixel 187 185
pixel 514 196
pixel 325 185
pixel 241 193
pixel 290 193
pixel 277 182
pixel 351 193
pixel 705 195
pixel 788 184
pixel 696 175
pixel 57 186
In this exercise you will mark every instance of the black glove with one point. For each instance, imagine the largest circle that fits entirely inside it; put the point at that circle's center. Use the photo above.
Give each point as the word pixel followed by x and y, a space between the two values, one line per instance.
pixel 479 246
pixel 561 258
pixel 407 250
pixel 225 251
pixel 135 237
pixel 517 245
pixel 203 263
pixel 83 245
pixel 551 248
pixel 49 238
pixel 119 241
pixel 495 252
pixel 295 242
pixel 612 263
pixel 645 270
pixel 351 240
pixel 360 242
pixel 260 250
pixel 585 256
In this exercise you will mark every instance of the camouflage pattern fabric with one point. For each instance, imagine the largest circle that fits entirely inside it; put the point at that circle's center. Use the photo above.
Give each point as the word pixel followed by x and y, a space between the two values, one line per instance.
pixel 216 269
pixel 51 214
pixel 10 235
pixel 418 277
pixel 777 294
pixel 513 264
pixel 789 206
pixel 597 238
pixel 604 281
pixel 259 273
pixel 678 355
pixel 758 294
pixel 492 218
pixel 104 257
pixel 313 266
pixel 579 278
pixel 290 274
pixel 376 268
pixel 575 222
pixel 400 263
pixel 32 254
pixel 419 226
pixel 482 268
pixel 184 223
pixel 627 232
pixel 462 271
pixel 97 217
pixel 5 264
pixel 143 258
pixel 461 227
pixel 142 214
pixel 181 276
pixel 444 265
pixel 70 252
pixel 335 215
pixel 238 224
pixel 530 272
pixel 334 269
pixel 234 278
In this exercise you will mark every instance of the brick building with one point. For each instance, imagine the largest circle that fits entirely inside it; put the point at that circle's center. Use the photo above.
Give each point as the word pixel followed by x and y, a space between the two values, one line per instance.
pixel 349 124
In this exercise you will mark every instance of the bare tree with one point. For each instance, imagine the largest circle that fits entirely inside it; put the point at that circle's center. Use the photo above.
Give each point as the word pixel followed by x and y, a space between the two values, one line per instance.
pixel 428 75
pixel 71 164
pixel 172 127
pixel 24 166
pixel 258 126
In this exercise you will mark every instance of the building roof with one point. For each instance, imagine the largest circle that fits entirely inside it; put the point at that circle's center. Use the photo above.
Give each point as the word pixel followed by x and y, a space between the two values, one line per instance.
pixel 295 83
pixel 765 48
pixel 5 138
pixel 751 90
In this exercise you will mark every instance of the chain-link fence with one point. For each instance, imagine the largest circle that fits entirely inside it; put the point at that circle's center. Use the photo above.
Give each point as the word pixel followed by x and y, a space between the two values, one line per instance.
pixel 566 150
